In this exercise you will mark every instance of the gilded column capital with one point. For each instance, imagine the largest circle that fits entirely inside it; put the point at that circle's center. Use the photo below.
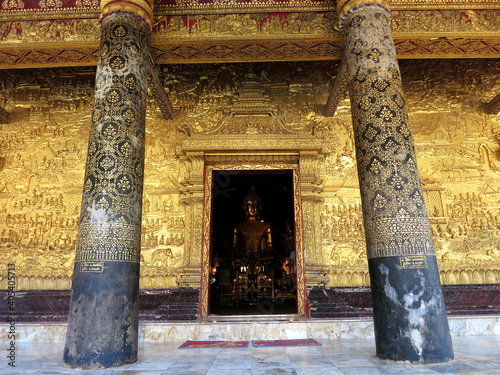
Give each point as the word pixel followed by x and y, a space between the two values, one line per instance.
pixel 346 7
pixel 141 8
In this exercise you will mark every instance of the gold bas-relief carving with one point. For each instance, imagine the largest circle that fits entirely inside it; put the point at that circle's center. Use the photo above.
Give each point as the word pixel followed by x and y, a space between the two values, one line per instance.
pixel 43 152
pixel 250 37
pixel 451 23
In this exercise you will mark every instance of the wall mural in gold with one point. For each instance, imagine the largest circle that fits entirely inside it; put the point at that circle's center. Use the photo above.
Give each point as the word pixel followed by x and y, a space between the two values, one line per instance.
pixel 43 151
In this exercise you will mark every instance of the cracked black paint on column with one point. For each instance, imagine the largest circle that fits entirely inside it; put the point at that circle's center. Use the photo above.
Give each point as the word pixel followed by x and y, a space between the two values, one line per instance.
pixel 409 312
pixel 104 309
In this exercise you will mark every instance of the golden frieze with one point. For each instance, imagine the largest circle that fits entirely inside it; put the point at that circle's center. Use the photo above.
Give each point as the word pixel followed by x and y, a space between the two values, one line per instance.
pixel 252 37
pixel 320 25
pixel 29 9
pixel 231 6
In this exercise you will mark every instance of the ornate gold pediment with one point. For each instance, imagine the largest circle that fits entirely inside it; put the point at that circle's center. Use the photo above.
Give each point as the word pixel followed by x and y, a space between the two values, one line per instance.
pixel 259 135
pixel 251 123
pixel 251 112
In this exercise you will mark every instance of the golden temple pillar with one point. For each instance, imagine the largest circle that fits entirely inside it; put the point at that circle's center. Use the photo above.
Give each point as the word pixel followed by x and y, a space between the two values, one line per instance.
pixel 408 305
pixel 104 309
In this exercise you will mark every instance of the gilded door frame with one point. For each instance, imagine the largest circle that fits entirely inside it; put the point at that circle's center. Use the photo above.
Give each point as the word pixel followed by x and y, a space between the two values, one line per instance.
pixel 302 302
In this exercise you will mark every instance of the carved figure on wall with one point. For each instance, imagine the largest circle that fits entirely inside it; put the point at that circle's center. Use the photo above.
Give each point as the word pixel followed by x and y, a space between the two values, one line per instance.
pixel 162 257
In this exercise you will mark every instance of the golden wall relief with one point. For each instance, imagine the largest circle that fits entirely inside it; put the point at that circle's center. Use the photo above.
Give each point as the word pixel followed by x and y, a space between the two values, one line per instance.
pixel 458 152
pixel 43 151
pixel 447 22
pixel 50 31
pixel 420 23
pixel 217 6
pixel 323 24
pixel 246 25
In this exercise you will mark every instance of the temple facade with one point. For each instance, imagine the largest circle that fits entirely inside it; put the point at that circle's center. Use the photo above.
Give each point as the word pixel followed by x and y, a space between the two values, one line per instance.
pixel 131 135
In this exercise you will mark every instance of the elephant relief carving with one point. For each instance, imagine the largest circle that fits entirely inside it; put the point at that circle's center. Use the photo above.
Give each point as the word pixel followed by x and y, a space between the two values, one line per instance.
pixel 162 257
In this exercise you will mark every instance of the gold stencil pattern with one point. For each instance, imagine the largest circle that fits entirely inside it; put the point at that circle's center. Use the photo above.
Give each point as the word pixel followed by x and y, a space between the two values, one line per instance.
pixel 395 215
pixel 112 200
pixel 109 242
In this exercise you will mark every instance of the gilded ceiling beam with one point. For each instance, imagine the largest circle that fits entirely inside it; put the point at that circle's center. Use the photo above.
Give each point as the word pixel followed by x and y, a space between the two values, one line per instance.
pixel 4 116
pixel 158 90
pixel 338 89
pixel 493 106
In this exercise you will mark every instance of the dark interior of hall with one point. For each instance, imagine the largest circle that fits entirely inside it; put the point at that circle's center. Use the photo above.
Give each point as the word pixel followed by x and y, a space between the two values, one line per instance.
pixel 244 285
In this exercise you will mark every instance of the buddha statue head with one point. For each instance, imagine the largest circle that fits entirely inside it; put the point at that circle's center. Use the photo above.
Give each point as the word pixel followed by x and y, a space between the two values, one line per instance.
pixel 252 204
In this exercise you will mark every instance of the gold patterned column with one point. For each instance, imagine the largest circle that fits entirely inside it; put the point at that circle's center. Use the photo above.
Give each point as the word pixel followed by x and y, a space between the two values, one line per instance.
pixel 408 305
pixel 103 317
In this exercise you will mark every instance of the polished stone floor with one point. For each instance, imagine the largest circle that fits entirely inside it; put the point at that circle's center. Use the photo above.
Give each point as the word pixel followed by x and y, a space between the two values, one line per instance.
pixel 474 355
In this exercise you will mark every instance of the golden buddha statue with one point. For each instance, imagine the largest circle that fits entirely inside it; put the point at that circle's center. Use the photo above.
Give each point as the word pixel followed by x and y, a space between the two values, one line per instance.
pixel 252 255
pixel 252 237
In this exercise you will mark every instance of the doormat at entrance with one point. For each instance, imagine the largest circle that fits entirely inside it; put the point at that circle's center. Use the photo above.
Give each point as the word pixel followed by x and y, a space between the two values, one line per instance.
pixel 297 342
pixel 213 344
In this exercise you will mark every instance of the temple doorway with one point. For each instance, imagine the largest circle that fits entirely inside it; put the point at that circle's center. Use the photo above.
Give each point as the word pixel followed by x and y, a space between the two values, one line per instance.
pixel 252 248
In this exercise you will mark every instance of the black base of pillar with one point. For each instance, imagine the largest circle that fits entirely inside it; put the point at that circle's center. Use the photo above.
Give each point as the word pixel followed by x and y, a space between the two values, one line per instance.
pixel 103 319
pixel 409 312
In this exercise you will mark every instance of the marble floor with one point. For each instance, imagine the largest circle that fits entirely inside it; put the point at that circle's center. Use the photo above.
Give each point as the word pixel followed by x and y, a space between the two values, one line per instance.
pixel 474 355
